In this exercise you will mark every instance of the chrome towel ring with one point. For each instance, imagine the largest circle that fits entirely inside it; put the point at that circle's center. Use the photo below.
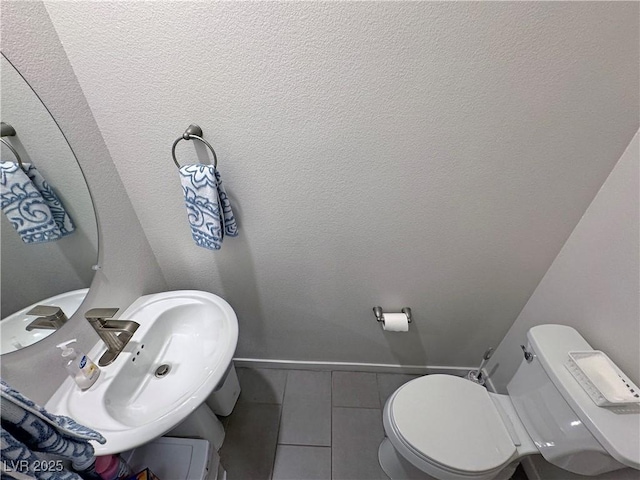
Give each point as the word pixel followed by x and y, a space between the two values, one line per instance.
pixel 7 130
pixel 194 131
pixel 13 150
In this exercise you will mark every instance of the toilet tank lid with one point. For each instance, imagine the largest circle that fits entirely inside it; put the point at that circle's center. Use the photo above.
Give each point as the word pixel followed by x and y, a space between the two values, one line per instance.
pixel 618 433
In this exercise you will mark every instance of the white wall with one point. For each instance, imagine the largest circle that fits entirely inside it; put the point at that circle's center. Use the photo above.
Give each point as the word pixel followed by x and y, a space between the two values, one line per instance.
pixel 31 44
pixel 594 283
pixel 34 272
pixel 422 154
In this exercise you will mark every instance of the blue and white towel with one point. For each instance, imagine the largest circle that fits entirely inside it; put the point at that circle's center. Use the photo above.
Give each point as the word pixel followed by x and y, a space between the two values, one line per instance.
pixel 60 215
pixel 28 428
pixel 31 206
pixel 208 207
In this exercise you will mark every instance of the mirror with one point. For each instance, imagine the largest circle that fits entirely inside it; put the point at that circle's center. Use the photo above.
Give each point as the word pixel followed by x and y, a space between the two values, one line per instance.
pixel 58 271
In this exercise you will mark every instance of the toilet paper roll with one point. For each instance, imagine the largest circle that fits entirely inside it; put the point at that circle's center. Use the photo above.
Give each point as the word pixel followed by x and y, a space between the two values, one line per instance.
pixel 395 322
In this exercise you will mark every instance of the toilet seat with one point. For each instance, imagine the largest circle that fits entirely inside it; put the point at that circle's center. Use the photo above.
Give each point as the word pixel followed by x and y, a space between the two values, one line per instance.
pixel 450 424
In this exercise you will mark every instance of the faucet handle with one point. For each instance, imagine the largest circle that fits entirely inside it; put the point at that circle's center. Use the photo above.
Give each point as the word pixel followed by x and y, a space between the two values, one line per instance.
pixel 45 311
pixel 100 313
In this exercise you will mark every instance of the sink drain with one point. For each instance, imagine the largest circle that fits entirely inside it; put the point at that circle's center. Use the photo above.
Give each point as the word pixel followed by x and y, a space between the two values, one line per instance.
pixel 162 370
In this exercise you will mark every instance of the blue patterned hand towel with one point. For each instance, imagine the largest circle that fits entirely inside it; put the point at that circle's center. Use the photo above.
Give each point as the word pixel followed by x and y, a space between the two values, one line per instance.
pixel 28 428
pixel 208 207
pixel 31 206
pixel 60 215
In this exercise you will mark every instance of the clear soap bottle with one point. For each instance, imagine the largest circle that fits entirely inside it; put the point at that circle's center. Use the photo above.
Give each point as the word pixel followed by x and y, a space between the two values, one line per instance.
pixel 80 367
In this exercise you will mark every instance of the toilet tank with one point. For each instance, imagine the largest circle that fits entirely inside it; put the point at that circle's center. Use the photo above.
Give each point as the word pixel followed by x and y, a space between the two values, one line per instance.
pixel 569 430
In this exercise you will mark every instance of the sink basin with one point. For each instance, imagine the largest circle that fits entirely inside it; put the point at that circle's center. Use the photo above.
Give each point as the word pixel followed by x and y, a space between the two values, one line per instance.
pixel 14 334
pixel 174 361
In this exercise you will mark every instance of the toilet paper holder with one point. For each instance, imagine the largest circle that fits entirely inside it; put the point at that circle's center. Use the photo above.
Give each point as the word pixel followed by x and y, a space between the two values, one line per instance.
pixel 378 312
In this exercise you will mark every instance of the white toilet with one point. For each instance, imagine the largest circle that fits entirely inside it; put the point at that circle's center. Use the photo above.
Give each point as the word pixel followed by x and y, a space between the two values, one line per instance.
pixel 448 428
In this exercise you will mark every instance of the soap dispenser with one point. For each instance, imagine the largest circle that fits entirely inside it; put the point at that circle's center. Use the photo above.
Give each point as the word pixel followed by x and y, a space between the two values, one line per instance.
pixel 80 367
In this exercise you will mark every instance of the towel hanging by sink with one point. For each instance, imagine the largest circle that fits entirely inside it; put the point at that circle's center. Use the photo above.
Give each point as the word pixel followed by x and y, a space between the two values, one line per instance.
pixel 59 213
pixel 31 206
pixel 28 429
pixel 208 207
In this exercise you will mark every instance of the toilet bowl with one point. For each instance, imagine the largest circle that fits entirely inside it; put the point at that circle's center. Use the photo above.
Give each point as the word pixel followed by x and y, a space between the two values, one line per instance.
pixel 448 428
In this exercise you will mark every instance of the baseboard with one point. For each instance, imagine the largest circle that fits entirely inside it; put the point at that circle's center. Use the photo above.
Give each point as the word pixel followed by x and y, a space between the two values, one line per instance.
pixel 350 366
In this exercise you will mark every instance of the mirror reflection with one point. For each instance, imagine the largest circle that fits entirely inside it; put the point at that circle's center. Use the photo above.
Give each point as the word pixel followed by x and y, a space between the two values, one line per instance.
pixel 49 238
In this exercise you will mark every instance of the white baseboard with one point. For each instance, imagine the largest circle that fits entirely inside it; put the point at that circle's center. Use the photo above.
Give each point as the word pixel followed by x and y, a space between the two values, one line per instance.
pixel 350 366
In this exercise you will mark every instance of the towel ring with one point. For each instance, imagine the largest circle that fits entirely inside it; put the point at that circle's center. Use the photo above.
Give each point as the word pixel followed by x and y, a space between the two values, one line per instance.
pixel 194 131
pixel 14 151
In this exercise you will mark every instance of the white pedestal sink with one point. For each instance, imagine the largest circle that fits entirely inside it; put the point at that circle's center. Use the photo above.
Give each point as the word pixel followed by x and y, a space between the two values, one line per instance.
pixel 191 337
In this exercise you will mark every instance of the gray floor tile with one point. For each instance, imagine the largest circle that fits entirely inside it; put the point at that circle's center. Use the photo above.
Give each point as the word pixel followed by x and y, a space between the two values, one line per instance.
pixel 390 382
pixel 296 462
pixel 356 436
pixel 355 389
pixel 262 385
pixel 306 411
pixel 250 444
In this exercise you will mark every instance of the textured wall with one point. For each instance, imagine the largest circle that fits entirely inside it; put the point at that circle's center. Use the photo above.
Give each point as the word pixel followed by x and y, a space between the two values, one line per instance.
pixel 31 44
pixel 54 267
pixel 594 283
pixel 433 155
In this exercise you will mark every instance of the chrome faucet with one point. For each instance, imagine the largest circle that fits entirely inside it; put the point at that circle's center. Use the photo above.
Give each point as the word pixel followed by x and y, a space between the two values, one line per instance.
pixel 114 333
pixel 49 318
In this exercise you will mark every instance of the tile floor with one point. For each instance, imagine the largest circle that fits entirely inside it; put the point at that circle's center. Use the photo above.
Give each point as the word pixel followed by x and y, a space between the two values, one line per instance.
pixel 307 425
